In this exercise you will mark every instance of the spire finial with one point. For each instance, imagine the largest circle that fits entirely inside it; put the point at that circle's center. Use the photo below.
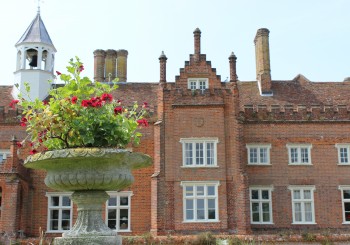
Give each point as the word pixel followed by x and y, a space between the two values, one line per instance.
pixel 38 6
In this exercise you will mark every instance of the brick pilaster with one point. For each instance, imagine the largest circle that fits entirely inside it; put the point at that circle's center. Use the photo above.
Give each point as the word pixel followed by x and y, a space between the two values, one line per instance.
pixel 162 64
pixel 233 72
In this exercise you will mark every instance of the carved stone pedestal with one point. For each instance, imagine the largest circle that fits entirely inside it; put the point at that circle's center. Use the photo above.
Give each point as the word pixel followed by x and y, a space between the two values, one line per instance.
pixel 89 227
pixel 89 172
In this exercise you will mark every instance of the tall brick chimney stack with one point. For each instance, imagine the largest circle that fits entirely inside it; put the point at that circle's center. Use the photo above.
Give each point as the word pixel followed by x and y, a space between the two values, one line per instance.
pixel 197 44
pixel 262 56
pixel 162 63
pixel 233 73
pixel 111 65
pixel 99 65
pixel 122 65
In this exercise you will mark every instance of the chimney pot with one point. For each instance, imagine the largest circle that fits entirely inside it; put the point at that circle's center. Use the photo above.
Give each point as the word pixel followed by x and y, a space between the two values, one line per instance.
pixel 262 57
pixel 122 62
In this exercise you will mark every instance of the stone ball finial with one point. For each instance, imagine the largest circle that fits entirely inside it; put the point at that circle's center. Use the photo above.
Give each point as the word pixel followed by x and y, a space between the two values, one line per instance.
pixel 162 56
pixel 197 31
pixel 232 56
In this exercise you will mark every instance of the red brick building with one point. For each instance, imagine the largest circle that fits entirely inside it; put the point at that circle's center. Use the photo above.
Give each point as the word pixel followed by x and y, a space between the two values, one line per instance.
pixel 232 157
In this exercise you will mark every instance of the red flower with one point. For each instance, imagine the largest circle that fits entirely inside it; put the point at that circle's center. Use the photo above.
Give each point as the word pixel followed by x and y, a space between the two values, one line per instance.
pixel 24 122
pixel 96 102
pixel 74 99
pixel 13 103
pixel 81 68
pixel 85 103
pixel 107 97
pixel 119 101
pixel 19 144
pixel 141 122
pixel 118 110
pixel 145 105
pixel 40 140
pixel 33 151
pixel 58 73
pixel 45 102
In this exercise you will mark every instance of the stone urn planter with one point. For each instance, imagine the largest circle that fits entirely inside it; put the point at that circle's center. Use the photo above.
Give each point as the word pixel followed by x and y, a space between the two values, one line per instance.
pixel 89 173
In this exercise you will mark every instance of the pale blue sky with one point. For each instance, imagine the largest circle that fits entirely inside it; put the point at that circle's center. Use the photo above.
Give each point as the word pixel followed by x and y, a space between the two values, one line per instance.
pixel 310 37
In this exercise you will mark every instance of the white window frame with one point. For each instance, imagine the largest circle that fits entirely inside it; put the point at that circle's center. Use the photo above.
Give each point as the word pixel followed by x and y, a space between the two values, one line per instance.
pixel 197 82
pixel 343 146
pixel 343 188
pixel 299 148
pixel 204 141
pixel 118 207
pixel 195 198
pixel 259 148
pixel 60 208
pixel 5 153
pixel 261 201
pixel 302 201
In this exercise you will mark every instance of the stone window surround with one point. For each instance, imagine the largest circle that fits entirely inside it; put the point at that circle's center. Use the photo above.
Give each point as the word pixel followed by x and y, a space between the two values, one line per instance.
pixel 343 188
pixel 60 208
pixel 261 201
pixel 258 146
pixel 119 194
pixel 214 140
pixel 299 147
pixel 197 82
pixel 216 184
pixel 344 146
pixel 303 201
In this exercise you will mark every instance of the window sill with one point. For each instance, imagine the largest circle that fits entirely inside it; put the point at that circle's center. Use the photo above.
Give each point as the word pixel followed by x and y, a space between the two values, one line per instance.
pixel 343 164
pixel 52 232
pixel 200 221
pixel 266 223
pixel 300 164
pixel 122 231
pixel 305 223
pixel 259 164
pixel 215 166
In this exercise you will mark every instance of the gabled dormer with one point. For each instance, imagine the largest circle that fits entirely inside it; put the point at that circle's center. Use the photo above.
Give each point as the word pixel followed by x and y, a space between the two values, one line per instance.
pixel 35 59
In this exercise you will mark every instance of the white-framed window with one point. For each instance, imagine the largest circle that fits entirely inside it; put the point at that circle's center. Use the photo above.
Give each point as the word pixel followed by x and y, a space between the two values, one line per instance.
pixel 345 197
pixel 200 201
pixel 299 154
pixel 198 83
pixel 261 204
pixel 303 204
pixel 4 154
pixel 60 211
pixel 118 210
pixel 258 154
pixel 343 153
pixel 199 152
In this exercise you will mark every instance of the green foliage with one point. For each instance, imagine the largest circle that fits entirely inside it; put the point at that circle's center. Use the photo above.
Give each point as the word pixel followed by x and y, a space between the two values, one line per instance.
pixel 80 114
pixel 206 238
pixel 309 237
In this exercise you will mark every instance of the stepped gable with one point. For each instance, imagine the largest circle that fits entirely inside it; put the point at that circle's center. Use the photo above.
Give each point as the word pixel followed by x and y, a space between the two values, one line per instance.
pixel 296 100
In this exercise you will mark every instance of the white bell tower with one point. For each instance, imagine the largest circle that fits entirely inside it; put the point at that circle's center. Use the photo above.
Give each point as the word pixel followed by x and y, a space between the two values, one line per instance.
pixel 35 60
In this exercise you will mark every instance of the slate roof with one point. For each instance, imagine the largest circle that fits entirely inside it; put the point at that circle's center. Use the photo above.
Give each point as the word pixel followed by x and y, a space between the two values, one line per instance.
pixel 36 32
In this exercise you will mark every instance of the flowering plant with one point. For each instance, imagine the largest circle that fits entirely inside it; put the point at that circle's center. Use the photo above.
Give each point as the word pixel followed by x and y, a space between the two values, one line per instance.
pixel 80 113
